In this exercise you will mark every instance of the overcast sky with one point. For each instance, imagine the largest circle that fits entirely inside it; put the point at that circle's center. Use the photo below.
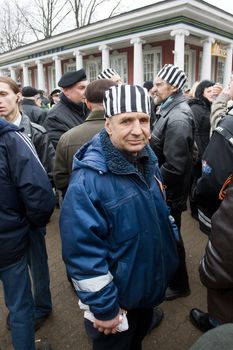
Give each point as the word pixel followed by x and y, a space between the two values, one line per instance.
pixel 226 5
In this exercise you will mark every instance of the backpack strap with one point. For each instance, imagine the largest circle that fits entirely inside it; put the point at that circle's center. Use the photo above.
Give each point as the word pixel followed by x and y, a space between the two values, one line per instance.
pixel 225 133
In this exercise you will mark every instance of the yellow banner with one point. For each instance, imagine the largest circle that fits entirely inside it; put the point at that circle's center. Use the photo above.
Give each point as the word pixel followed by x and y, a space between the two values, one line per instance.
pixel 217 50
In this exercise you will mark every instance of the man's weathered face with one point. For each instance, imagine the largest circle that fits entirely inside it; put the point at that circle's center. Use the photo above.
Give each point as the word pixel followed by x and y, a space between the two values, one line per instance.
pixel 76 92
pixel 129 132
pixel 162 90
pixel 8 102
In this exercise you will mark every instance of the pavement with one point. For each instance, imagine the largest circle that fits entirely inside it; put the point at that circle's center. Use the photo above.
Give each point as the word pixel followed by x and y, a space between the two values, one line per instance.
pixel 64 328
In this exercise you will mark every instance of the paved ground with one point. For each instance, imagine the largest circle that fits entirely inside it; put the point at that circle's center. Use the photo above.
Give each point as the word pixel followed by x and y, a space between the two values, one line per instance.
pixel 64 329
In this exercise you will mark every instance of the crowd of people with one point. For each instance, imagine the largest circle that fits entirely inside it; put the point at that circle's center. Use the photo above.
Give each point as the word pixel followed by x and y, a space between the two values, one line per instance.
pixel 121 161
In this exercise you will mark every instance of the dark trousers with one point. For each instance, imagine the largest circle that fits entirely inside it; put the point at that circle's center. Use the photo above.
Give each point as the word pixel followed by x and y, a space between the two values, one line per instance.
pixel 180 280
pixel 139 322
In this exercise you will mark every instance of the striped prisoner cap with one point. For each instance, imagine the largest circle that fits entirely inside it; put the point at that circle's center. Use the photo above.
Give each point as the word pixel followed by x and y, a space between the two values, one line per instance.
pixel 107 73
pixel 173 75
pixel 126 99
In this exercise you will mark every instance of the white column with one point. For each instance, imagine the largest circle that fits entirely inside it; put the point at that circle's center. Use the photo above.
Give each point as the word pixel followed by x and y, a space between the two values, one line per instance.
pixel 40 75
pixel 58 72
pixel 138 61
pixel 206 59
pixel 179 47
pixel 79 59
pixel 105 56
pixel 228 66
pixel 25 74
pixel 13 73
pixel 1 73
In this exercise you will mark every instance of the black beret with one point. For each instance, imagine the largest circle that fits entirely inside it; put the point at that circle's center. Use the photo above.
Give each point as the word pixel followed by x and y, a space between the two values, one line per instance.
pixel 29 91
pixel 55 91
pixel 71 78
pixel 148 85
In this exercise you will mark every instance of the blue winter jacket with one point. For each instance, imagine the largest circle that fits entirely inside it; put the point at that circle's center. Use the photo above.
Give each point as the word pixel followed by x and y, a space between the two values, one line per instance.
pixel 26 196
pixel 117 239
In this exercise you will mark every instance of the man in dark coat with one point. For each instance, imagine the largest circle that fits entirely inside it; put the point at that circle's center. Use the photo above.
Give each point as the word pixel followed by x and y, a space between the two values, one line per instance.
pixel 71 110
pixel 172 142
pixel 29 106
pixel 73 139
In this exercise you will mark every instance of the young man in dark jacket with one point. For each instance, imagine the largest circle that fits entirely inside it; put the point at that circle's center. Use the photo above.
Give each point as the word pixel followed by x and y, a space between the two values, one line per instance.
pixel 26 202
pixel 37 253
pixel 172 141
pixel 117 237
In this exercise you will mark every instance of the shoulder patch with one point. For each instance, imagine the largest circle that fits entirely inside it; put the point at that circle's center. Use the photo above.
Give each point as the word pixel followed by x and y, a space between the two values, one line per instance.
pixel 39 127
pixel 206 169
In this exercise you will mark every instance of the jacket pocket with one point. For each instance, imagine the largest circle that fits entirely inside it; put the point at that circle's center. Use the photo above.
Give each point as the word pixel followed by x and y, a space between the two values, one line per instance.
pixel 124 218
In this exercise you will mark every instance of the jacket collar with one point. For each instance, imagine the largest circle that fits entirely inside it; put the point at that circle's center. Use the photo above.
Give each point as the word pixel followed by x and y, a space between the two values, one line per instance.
pixel 117 163
pixel 26 101
pixel 5 126
pixel 95 115
pixel 26 125
pixel 177 99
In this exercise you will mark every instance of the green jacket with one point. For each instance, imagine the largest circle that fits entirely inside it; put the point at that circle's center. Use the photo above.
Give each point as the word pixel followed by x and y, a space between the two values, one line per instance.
pixel 70 142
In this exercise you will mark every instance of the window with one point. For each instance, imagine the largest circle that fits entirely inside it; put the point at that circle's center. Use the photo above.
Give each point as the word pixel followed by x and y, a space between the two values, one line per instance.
pixel 70 67
pixel 51 78
pixel 120 64
pixel 189 66
pixel 152 61
pixel 220 70
pixel 92 68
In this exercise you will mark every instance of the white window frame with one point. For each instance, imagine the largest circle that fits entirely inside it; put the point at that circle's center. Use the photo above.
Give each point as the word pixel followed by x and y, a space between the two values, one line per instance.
pixel 119 62
pixel 94 61
pixel 69 67
pixel 220 70
pixel 156 65
pixel 190 70
pixel 51 77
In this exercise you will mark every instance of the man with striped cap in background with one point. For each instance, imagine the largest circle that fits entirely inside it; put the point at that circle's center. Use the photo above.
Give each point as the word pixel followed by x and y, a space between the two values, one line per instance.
pixel 172 142
pixel 110 73
pixel 118 240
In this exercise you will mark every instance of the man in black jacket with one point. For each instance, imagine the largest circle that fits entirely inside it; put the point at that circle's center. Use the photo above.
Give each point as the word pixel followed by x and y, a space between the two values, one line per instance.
pixel 29 106
pixel 37 254
pixel 71 109
pixel 172 142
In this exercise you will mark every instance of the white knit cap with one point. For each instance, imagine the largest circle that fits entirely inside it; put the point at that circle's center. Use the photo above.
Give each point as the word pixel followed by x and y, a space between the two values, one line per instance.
pixel 173 75
pixel 126 99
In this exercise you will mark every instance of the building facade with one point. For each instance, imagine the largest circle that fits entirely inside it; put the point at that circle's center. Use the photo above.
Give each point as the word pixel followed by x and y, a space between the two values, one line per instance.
pixel 192 34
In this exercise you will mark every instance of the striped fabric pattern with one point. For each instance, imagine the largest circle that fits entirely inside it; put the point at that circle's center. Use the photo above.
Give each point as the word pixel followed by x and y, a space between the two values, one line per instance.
pixel 107 73
pixel 173 75
pixel 126 99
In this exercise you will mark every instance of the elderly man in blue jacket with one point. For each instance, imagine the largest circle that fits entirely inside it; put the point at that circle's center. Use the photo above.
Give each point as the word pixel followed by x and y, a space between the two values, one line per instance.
pixel 117 237
pixel 26 202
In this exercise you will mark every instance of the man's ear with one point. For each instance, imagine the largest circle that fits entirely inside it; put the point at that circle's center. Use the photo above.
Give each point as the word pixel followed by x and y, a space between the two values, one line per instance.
pixel 108 126
pixel 19 97
pixel 174 89
pixel 88 104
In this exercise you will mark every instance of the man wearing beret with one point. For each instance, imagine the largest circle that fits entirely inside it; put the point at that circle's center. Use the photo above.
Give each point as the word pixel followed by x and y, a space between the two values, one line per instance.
pixel 29 105
pixel 172 142
pixel 118 240
pixel 71 109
